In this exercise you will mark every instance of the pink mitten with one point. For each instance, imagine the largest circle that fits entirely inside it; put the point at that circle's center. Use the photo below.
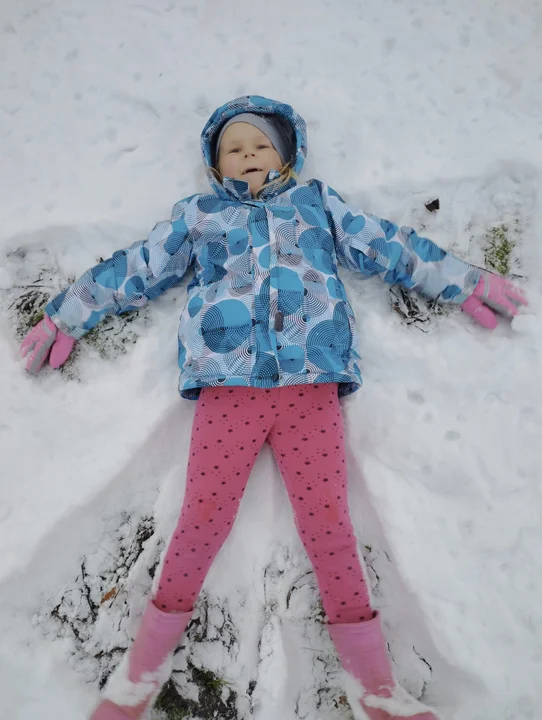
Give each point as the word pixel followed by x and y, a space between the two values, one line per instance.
pixel 43 339
pixel 493 293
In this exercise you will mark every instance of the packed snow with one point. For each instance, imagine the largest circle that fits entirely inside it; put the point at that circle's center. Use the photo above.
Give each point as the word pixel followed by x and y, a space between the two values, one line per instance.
pixel 101 106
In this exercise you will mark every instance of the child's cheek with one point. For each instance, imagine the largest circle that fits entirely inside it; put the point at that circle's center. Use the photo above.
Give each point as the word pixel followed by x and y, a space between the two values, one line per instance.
pixel 228 168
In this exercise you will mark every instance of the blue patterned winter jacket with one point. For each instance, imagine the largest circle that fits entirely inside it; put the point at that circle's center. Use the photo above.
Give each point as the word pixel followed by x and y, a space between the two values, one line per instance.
pixel 265 307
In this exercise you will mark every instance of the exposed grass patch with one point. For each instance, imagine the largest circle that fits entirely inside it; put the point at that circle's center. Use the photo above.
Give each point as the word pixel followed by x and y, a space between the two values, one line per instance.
pixel 210 704
pixel 499 248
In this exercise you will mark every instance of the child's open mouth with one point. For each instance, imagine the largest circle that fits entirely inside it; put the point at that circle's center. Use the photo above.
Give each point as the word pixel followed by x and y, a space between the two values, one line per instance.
pixel 251 170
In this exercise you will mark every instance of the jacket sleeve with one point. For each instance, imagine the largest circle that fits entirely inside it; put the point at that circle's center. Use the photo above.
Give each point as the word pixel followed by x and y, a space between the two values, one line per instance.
pixel 373 246
pixel 127 280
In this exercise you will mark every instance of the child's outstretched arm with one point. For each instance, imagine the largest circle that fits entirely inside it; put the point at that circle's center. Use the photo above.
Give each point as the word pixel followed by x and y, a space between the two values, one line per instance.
pixel 124 282
pixel 373 246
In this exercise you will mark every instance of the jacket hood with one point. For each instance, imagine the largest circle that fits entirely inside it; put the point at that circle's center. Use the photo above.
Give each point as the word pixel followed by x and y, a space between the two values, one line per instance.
pixel 262 106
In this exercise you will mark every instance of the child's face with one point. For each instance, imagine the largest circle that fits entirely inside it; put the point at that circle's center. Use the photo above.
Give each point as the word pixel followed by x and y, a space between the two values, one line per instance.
pixel 246 153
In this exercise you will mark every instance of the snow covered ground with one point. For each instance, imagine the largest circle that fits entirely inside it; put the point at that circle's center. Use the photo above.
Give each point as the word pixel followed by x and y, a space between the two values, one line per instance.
pixel 101 106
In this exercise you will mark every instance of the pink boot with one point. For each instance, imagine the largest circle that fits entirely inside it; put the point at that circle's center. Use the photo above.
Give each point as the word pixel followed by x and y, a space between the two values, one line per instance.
pixel 143 671
pixel 362 651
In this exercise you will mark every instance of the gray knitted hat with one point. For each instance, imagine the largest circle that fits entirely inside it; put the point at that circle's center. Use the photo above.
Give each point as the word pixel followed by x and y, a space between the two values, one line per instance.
pixel 269 125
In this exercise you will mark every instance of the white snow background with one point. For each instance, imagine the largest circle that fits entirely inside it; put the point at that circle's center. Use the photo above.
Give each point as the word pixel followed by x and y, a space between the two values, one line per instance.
pixel 101 107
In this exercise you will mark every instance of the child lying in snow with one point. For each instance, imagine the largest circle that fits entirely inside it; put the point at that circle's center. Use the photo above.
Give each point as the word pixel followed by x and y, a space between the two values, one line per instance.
pixel 267 345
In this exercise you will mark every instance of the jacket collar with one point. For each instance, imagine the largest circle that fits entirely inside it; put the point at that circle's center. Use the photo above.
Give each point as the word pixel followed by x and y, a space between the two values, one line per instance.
pixel 239 190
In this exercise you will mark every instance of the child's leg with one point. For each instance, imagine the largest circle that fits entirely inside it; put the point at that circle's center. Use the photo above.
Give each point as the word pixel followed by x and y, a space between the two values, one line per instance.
pixel 308 443
pixel 230 427
pixel 307 440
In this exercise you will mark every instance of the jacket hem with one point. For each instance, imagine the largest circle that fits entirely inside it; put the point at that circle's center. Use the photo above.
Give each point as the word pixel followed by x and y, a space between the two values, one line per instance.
pixel 347 383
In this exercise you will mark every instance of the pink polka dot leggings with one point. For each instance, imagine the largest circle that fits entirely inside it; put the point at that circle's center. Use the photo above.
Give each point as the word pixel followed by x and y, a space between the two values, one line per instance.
pixel 304 426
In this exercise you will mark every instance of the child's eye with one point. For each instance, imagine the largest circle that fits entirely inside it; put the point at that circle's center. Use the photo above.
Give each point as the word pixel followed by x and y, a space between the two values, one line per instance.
pixel 262 147
pixel 234 150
